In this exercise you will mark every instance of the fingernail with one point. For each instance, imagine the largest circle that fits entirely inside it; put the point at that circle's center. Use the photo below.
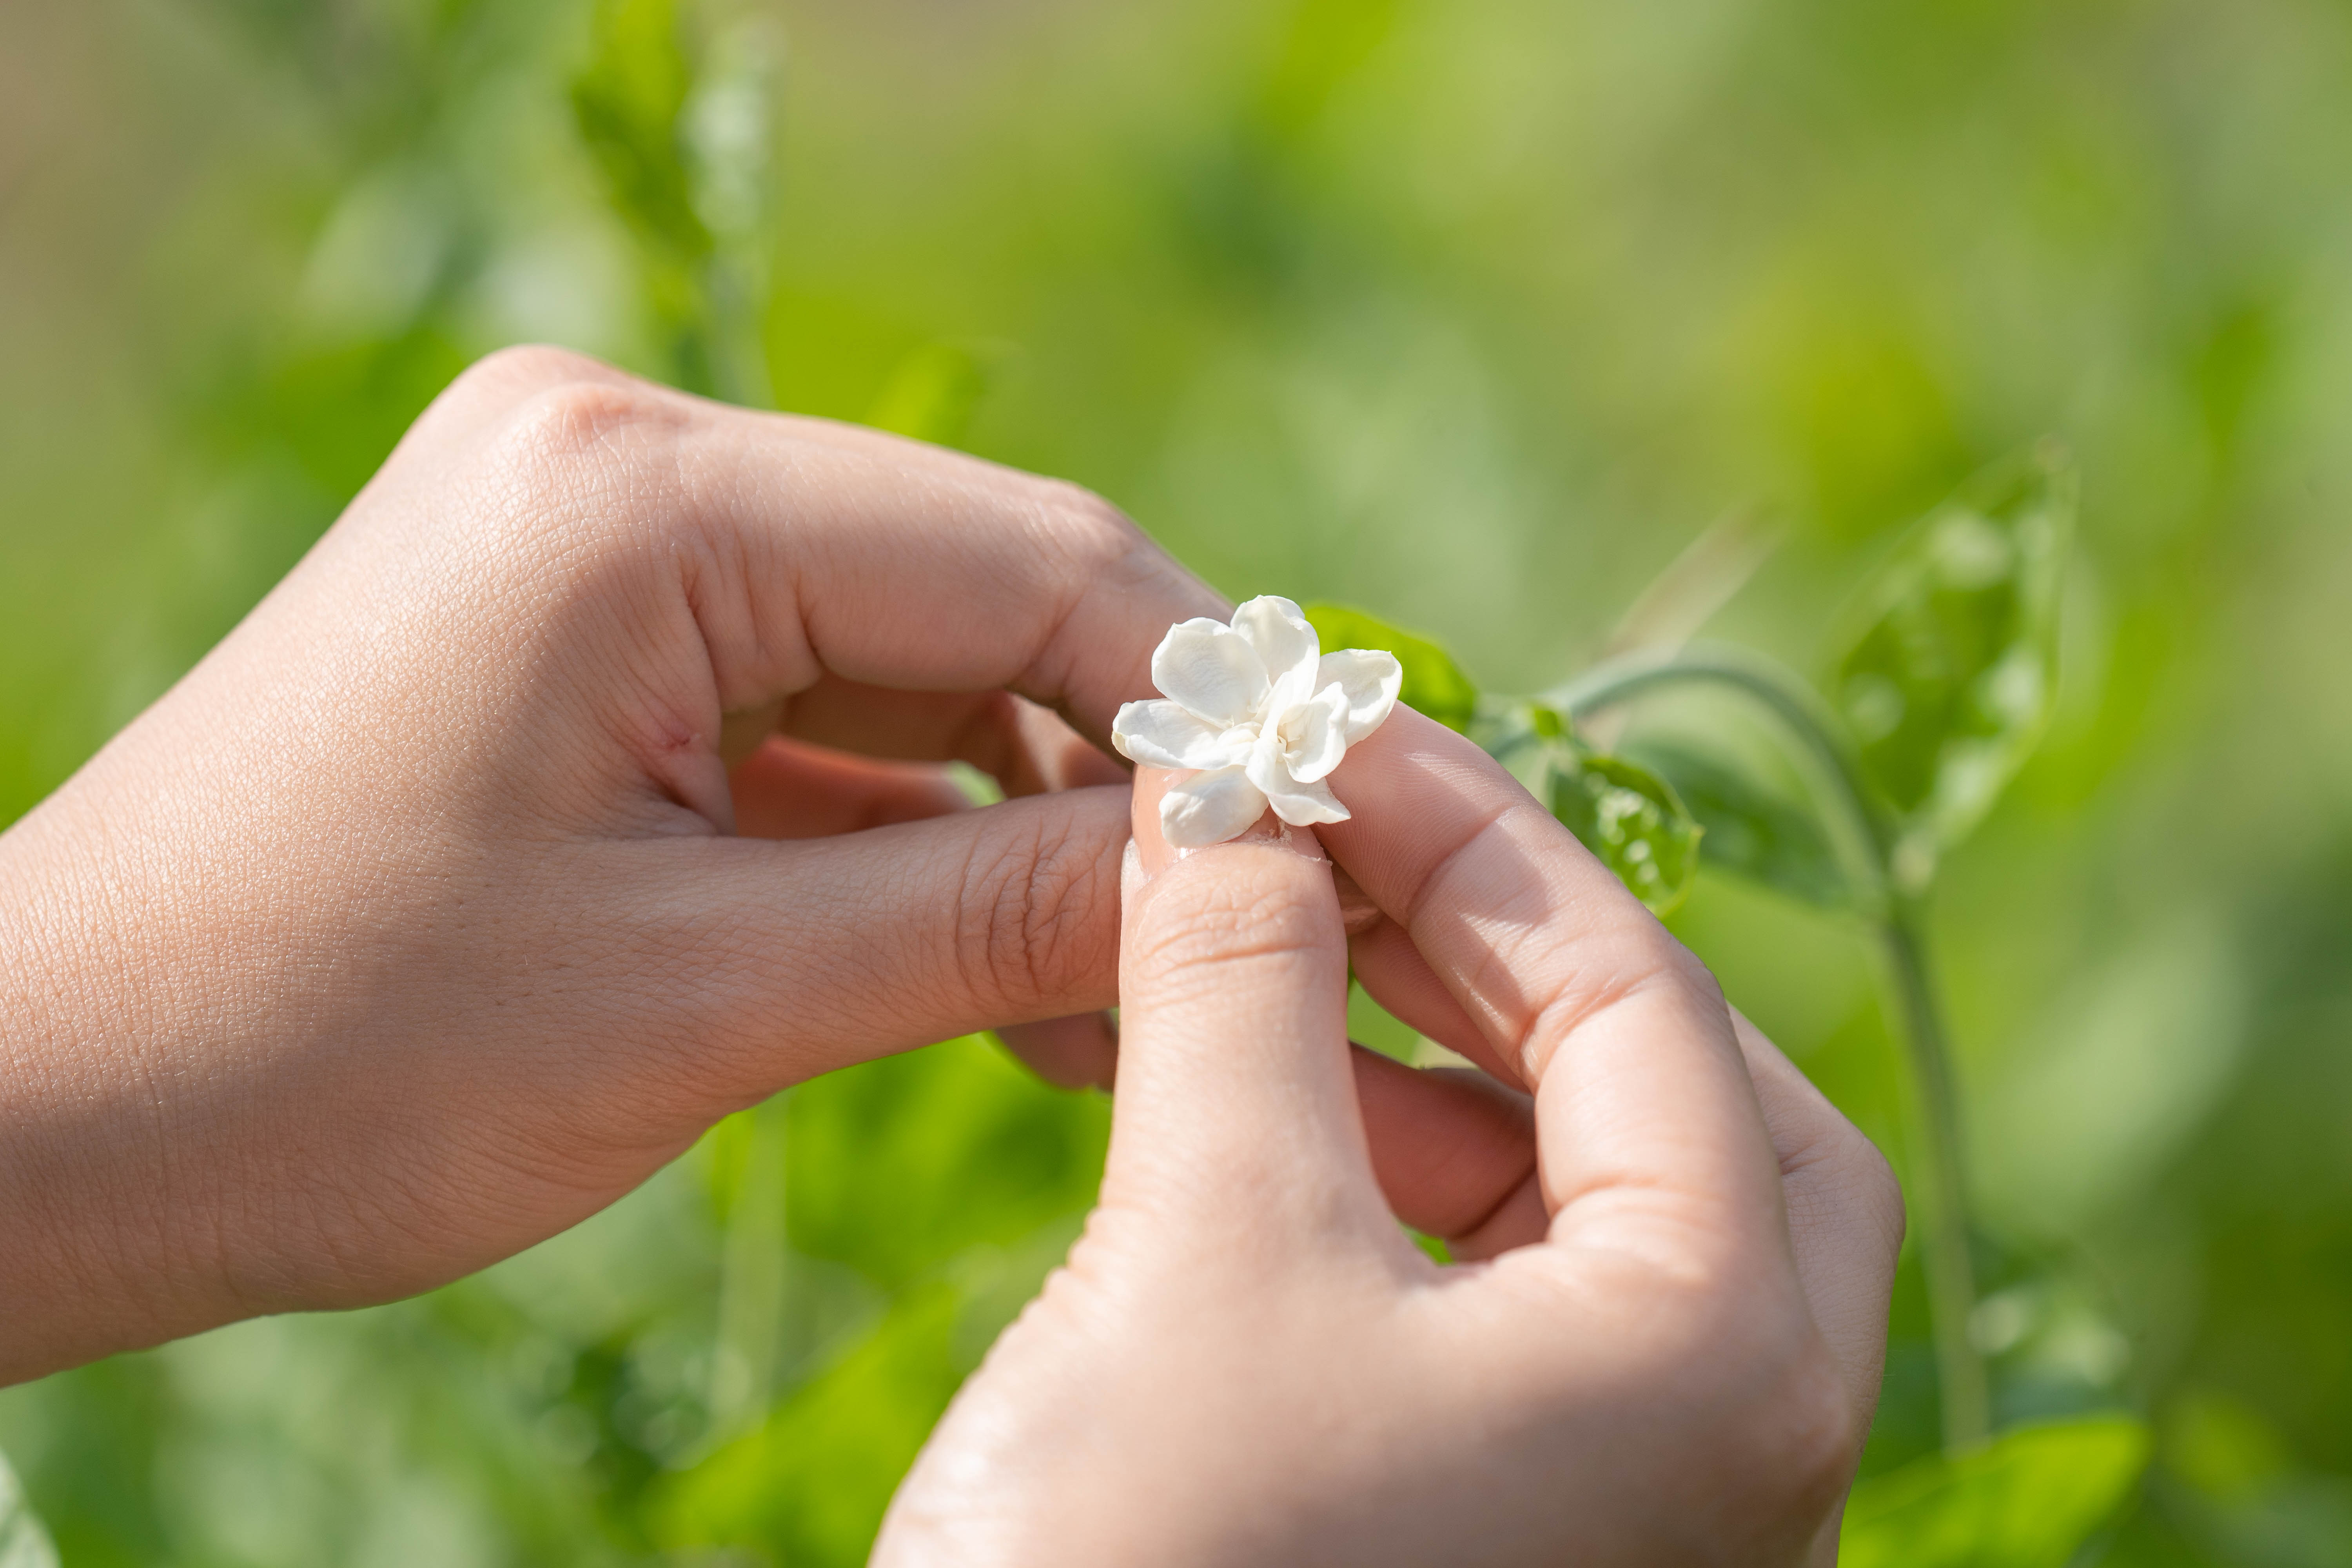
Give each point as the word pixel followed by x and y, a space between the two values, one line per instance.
pixel 1149 853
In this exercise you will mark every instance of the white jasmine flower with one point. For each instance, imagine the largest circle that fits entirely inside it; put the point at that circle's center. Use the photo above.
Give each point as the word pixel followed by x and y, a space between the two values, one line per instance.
pixel 1261 711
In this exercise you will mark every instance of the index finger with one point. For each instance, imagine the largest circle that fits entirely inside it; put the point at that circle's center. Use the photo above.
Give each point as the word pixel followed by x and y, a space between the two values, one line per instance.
pixel 802 548
pixel 1644 1112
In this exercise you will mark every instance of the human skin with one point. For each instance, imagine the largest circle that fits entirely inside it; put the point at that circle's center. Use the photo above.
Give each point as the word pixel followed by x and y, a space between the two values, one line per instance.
pixel 515 839
pixel 1669 1338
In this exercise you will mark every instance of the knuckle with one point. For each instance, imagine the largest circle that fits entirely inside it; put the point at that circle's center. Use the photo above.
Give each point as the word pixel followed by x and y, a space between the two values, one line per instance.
pixel 1040 912
pixel 1204 921
pixel 513 374
pixel 1081 515
pixel 1784 1433
pixel 1644 963
pixel 1799 1441
pixel 1878 1192
pixel 1105 546
pixel 1840 1177
pixel 577 465
pixel 575 420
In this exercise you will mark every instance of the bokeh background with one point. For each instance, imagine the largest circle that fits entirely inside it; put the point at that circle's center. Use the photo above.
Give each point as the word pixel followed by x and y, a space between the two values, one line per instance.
pixel 1473 312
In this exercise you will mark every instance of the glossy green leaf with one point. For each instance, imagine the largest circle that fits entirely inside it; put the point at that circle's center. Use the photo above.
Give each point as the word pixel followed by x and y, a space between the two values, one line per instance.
pixel 23 1542
pixel 1948 673
pixel 2030 1500
pixel 1751 830
pixel 1632 820
pixel 1433 684
pixel 933 392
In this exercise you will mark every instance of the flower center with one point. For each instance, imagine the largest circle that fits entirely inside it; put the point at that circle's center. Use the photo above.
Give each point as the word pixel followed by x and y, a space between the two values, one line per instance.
pixel 1290 734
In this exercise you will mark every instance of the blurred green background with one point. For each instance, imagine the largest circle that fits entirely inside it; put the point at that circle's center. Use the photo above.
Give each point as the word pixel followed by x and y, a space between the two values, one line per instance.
pixel 1475 313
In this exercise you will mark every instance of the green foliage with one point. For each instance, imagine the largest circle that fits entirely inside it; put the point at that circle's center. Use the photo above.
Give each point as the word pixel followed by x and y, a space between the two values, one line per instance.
pixel 630 100
pixel 1433 684
pixel 23 1542
pixel 811 1484
pixel 678 124
pixel 1751 831
pixel 1469 312
pixel 1631 819
pixel 1948 676
pixel 952 1179
pixel 902 1165
pixel 2030 1500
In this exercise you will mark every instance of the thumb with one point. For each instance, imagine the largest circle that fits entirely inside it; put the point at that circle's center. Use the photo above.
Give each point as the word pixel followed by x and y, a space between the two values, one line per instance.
pixel 1236 1103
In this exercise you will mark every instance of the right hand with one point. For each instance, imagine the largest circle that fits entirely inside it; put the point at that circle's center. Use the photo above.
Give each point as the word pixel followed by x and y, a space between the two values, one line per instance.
pixel 1669 1355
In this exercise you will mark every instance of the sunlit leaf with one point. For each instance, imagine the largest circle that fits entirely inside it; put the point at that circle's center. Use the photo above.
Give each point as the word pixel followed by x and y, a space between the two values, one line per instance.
pixel 1631 819
pixel 1948 674
pixel 2027 1501
pixel 23 1542
pixel 1751 830
pixel 932 392
pixel 1433 684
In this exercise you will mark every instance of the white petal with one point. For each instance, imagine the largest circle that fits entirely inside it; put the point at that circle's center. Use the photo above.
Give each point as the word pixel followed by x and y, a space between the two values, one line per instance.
pixel 1278 629
pixel 1316 735
pixel 1209 808
pixel 1294 689
pixel 1211 669
pixel 1299 805
pixel 1369 679
pixel 1170 736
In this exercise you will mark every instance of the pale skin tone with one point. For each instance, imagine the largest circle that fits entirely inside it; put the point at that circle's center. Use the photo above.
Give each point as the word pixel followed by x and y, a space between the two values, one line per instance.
pixel 517 837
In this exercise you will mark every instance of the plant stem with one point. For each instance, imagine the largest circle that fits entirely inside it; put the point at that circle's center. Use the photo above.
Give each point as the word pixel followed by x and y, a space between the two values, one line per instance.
pixel 1931 1112
pixel 1931 1104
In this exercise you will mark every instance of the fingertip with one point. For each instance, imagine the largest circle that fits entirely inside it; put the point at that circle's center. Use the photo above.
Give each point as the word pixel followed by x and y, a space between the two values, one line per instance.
pixel 1154 854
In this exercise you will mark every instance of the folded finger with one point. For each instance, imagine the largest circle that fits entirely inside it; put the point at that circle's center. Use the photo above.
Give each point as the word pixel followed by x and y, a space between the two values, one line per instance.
pixel 1454 1154
pixel 1026 748
pixel 1079 1051
pixel 1845 1216
pixel 788 790
pixel 1642 1101
pixel 1394 975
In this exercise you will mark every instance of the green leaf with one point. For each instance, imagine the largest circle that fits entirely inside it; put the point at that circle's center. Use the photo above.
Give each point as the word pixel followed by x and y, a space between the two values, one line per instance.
pixel 933 392
pixel 1631 819
pixel 628 102
pixel 23 1542
pixel 681 126
pixel 1433 684
pixel 1751 830
pixel 2030 1500
pixel 1948 674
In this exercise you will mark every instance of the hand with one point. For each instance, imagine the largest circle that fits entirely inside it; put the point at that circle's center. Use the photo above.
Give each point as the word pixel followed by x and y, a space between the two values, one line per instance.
pixel 411 928
pixel 1669 1355
pixel 440 905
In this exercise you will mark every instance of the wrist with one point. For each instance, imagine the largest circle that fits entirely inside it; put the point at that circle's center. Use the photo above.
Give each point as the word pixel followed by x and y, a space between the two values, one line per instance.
pixel 102 1217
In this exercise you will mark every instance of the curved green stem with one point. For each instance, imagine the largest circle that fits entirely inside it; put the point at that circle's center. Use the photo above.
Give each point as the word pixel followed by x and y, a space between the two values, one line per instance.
pixel 1931 1104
